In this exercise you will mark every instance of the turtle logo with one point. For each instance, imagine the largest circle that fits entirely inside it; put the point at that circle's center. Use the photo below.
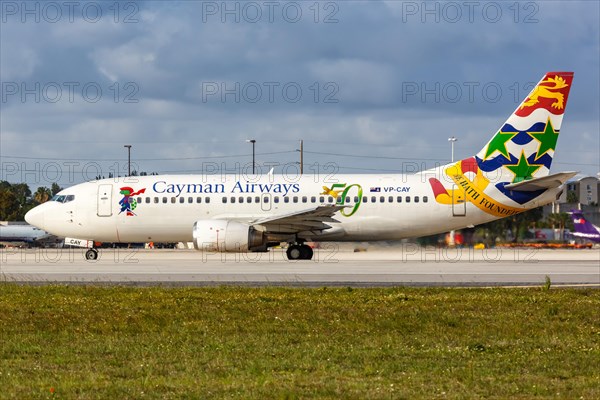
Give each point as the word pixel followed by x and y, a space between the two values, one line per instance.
pixel 128 202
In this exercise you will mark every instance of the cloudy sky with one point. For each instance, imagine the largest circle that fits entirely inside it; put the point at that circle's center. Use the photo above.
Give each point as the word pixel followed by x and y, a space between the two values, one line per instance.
pixel 369 86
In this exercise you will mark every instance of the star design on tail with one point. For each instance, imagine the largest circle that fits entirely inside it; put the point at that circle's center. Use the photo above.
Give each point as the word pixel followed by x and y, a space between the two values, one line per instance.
pixel 547 139
pixel 522 169
pixel 498 143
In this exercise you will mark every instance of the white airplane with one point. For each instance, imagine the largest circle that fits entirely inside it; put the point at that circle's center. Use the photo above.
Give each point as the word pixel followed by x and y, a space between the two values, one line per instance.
pixel 238 213
pixel 22 233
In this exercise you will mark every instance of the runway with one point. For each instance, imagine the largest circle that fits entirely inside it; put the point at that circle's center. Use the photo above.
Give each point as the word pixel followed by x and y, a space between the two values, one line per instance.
pixel 406 265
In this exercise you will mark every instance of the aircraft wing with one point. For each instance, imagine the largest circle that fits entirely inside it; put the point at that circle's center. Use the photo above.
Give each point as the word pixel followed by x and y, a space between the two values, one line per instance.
pixel 546 182
pixel 310 219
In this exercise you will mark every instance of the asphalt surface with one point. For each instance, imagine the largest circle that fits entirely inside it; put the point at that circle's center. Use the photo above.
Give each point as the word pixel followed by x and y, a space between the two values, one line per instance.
pixel 333 265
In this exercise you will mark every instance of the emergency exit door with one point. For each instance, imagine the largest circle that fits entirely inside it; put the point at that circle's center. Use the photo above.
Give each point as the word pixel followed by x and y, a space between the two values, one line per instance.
pixel 459 202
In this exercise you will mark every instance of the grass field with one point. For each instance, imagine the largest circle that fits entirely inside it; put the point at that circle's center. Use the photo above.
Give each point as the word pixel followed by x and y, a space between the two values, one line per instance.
pixel 87 342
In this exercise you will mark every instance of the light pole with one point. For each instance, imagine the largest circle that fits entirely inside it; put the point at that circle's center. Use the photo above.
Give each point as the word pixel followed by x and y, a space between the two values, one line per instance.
pixel 452 139
pixel 253 141
pixel 128 159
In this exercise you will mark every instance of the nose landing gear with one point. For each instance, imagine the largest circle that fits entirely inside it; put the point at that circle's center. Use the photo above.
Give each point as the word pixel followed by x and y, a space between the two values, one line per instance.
pixel 91 254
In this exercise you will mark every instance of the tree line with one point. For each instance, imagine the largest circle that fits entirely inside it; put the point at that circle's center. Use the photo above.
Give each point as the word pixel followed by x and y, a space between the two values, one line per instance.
pixel 16 199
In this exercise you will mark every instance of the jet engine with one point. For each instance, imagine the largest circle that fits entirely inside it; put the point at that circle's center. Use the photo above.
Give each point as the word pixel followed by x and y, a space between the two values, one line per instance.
pixel 227 236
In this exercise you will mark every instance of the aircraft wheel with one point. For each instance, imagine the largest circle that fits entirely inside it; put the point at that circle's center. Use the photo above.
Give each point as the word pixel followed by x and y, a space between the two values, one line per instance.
pixel 91 254
pixel 306 252
pixel 294 252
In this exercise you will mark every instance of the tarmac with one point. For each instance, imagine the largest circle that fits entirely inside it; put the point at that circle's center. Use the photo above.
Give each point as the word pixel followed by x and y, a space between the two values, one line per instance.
pixel 333 265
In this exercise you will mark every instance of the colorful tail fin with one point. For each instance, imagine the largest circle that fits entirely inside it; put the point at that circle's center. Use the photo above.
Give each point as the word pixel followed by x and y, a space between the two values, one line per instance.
pixel 524 146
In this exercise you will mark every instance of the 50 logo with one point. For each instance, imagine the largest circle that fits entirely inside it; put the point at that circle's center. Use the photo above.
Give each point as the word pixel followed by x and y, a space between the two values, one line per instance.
pixel 341 192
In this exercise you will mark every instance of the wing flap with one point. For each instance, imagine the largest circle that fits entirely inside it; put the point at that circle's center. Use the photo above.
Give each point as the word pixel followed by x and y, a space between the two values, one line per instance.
pixel 311 219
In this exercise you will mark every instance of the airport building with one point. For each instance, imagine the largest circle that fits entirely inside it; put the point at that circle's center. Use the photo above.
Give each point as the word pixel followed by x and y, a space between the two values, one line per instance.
pixel 581 194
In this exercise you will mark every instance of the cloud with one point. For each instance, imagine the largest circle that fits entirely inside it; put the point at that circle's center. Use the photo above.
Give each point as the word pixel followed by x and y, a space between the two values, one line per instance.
pixel 400 80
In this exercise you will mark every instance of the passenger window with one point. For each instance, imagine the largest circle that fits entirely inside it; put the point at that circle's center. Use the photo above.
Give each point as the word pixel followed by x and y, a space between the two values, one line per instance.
pixel 407 199
pixel 295 199
pixel 338 200
pixel 164 200
pixel 224 199
pixel 266 199
pixel 232 199
pixel 330 199
pixel 399 199
pixel 391 199
pixel 190 199
pixel 348 199
pixel 276 199
pixel 139 199
pixel 356 199
pixel 182 200
pixel 173 200
pixel 241 199
pixel 131 199
pixel 313 199
pixel 286 199
pixel 198 199
pixel 365 199
pixel 321 199
pixel 416 199
pixel 207 200
pixel 304 199
pixel 156 200
pixel 257 199
pixel 381 199
pixel 425 199
pixel 147 200
pixel 249 199
pixel 373 199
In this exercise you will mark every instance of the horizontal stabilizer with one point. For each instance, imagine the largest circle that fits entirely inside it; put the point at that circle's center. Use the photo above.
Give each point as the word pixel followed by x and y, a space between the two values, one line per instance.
pixel 546 182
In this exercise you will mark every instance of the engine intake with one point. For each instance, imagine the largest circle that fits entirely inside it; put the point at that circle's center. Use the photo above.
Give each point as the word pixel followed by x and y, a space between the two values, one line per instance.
pixel 227 236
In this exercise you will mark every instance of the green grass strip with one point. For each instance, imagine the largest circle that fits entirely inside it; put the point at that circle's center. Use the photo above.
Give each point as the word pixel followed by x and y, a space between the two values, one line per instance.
pixel 87 342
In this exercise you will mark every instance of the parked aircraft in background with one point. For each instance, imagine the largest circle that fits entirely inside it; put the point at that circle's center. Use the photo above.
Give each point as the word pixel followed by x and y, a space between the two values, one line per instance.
pixel 510 174
pixel 22 233
pixel 584 229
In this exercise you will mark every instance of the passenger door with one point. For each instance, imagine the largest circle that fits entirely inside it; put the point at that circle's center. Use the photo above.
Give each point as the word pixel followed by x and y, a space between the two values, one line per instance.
pixel 105 200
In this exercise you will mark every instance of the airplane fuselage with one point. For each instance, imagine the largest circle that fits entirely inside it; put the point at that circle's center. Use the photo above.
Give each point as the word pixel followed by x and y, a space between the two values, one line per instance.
pixel 384 207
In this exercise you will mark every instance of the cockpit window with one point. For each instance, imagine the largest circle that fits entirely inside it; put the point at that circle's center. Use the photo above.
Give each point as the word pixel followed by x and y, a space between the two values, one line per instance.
pixel 63 198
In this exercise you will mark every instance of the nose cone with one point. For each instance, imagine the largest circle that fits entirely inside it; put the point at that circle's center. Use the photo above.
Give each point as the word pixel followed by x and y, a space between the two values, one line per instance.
pixel 35 217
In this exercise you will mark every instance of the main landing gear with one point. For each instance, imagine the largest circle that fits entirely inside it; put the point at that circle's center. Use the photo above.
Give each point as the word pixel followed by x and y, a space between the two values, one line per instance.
pixel 299 252
pixel 91 254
